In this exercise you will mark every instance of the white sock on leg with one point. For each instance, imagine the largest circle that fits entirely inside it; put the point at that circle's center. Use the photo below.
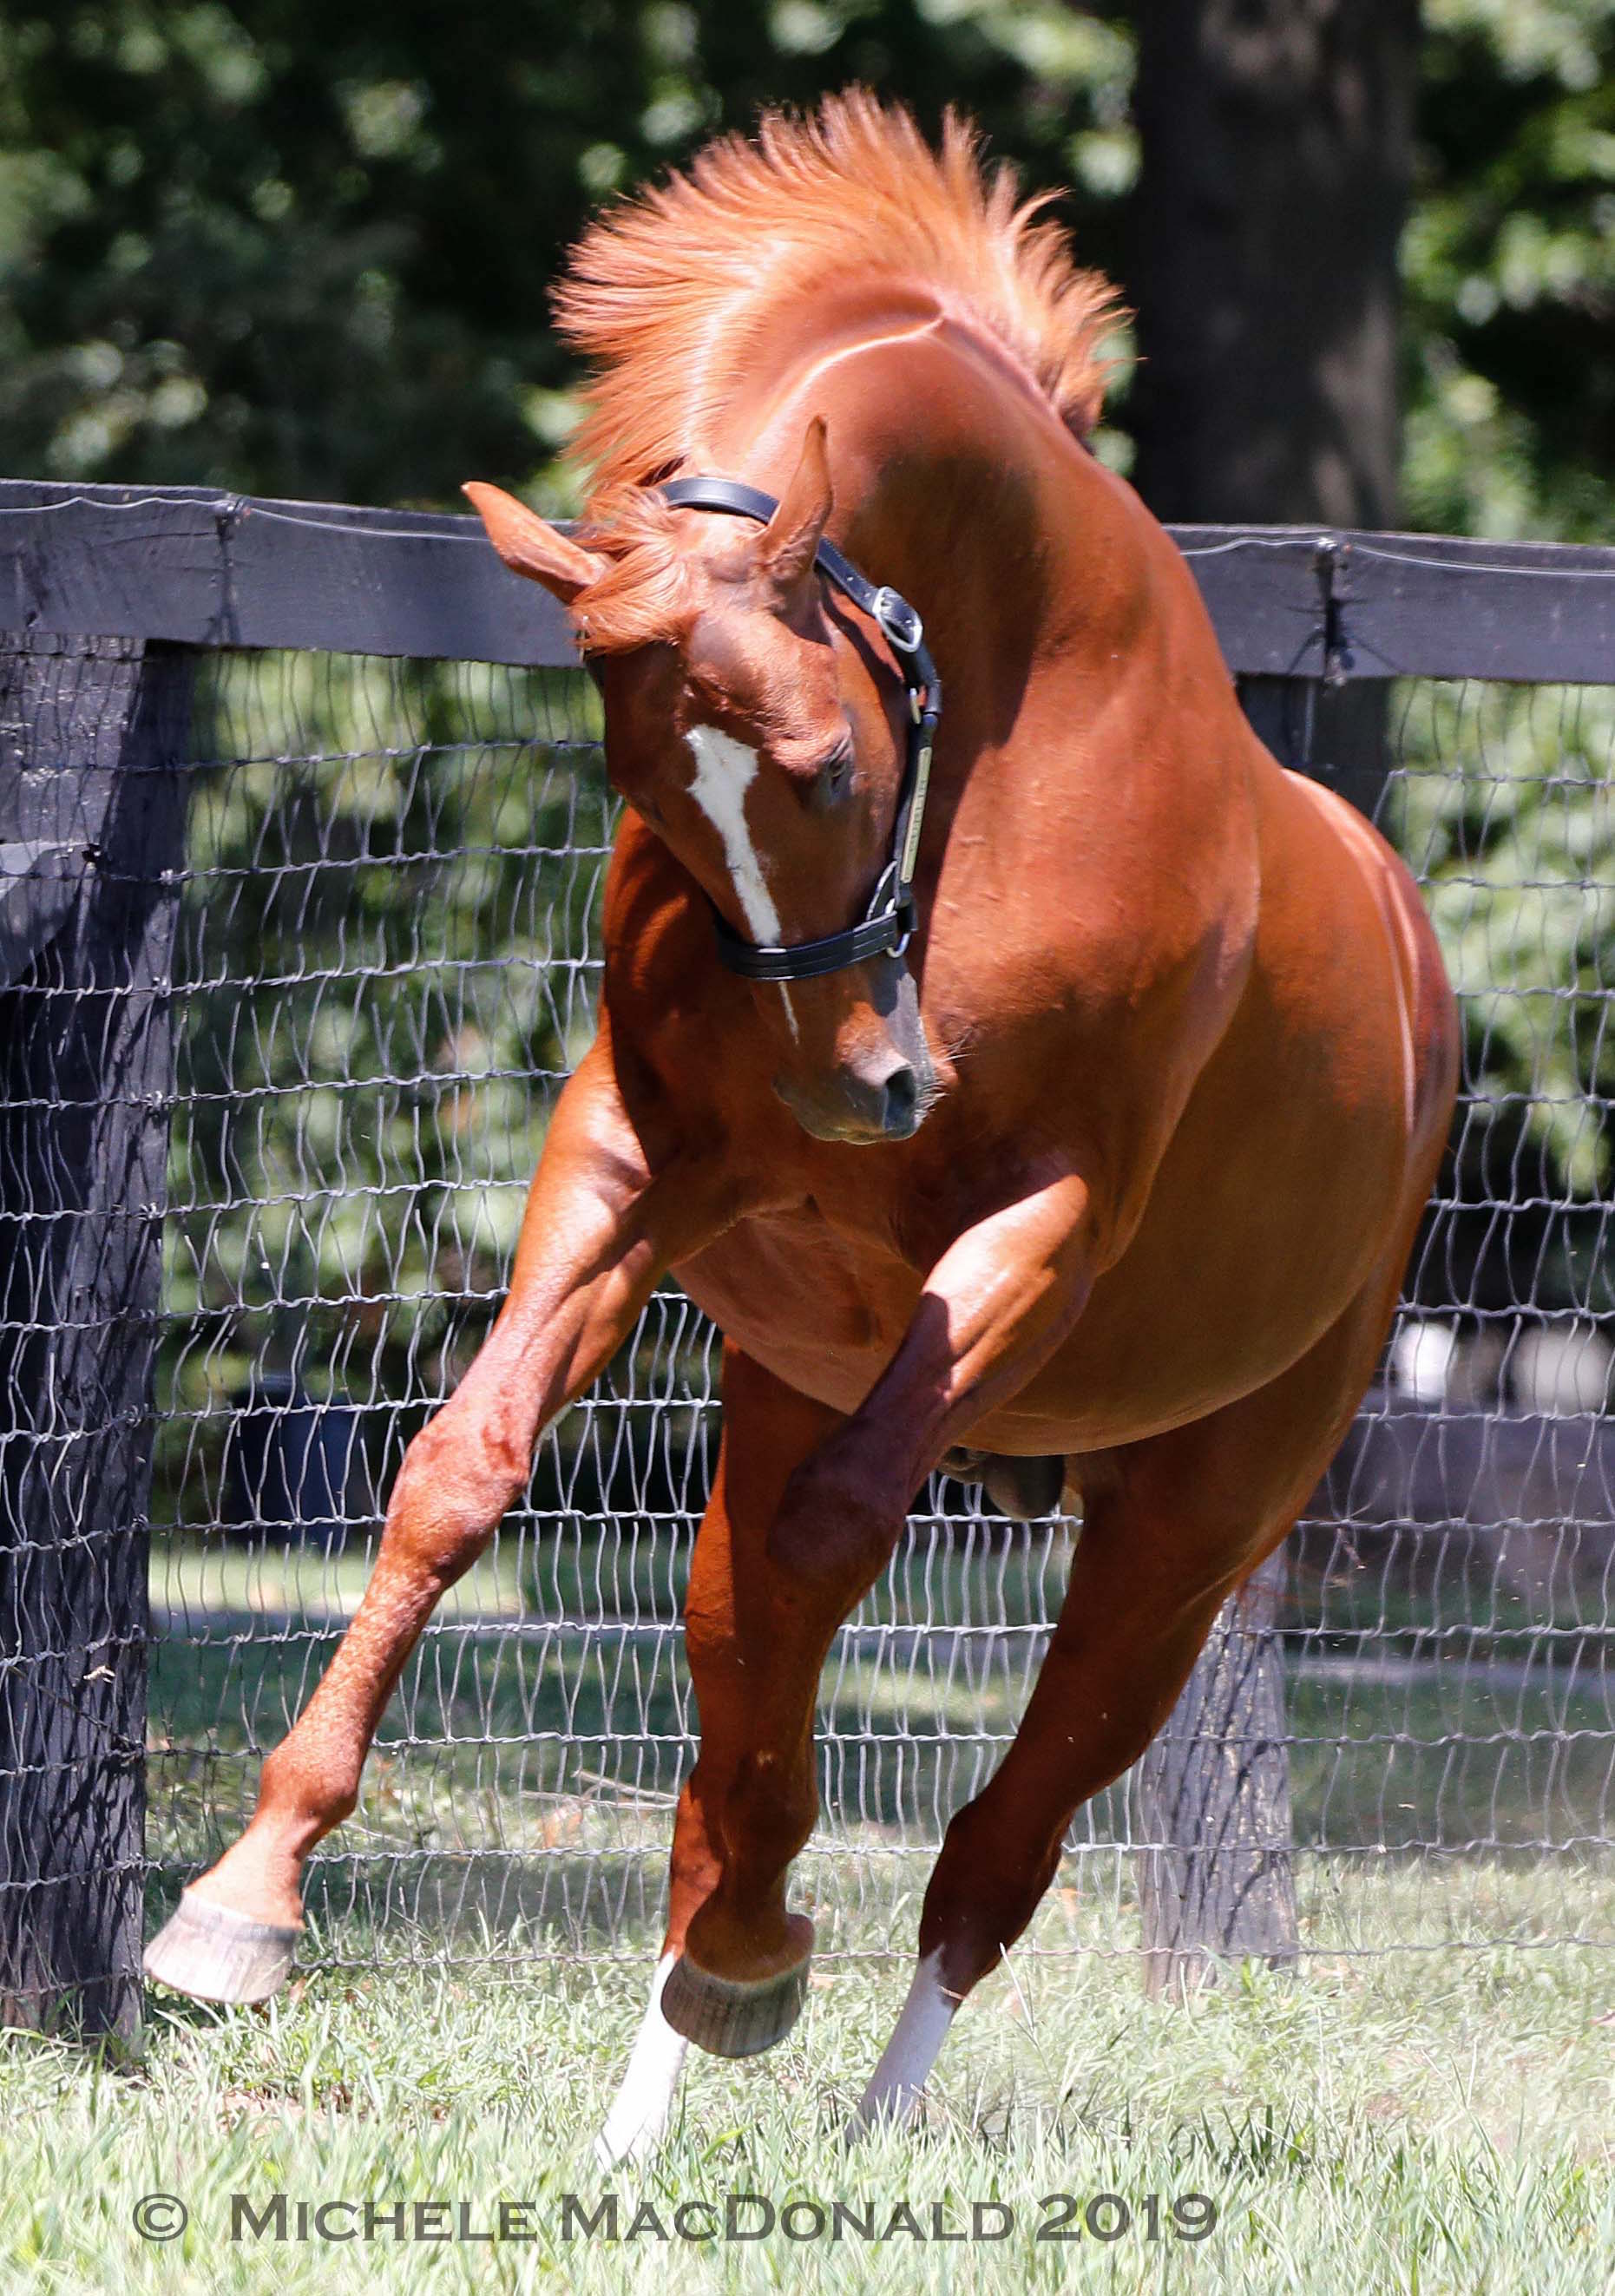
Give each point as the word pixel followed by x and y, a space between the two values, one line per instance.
pixel 896 2085
pixel 638 2118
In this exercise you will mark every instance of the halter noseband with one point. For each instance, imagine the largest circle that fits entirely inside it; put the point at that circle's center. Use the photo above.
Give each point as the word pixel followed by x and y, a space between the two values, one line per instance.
pixel 888 919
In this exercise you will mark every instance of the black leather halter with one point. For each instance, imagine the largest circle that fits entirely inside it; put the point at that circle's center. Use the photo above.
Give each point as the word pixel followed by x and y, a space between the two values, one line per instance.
pixel 888 919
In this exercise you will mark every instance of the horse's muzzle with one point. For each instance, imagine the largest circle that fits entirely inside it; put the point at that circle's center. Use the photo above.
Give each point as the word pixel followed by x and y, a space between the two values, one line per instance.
pixel 862 1112
pixel 880 1080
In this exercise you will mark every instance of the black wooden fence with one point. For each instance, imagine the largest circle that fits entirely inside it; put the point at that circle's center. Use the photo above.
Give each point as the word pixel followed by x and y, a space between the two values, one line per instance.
pixel 132 624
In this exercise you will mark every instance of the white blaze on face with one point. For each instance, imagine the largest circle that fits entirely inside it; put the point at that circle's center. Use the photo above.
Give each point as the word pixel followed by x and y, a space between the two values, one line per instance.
pixel 724 770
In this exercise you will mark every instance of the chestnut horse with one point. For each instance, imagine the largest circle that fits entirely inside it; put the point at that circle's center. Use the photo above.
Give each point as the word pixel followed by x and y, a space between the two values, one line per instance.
pixel 1095 1152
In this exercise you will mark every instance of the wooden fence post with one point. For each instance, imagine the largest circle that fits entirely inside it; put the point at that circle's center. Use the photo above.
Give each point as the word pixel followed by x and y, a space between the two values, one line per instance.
pixel 92 826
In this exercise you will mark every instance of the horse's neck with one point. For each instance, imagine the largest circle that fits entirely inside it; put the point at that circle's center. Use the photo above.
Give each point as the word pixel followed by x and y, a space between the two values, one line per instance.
pixel 955 483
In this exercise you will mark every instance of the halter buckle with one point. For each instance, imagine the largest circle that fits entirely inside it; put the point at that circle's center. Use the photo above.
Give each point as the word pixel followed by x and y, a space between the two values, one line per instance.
pixel 901 624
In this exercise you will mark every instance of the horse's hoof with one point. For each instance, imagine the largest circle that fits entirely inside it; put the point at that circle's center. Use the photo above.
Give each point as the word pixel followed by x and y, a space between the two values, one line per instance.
pixel 214 1954
pixel 730 2018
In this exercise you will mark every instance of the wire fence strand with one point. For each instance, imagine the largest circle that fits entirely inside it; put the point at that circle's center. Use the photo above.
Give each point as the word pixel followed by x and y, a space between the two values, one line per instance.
pixel 387 961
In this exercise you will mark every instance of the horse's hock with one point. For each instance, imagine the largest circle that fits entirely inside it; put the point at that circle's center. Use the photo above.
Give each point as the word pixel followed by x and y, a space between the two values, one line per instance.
pixel 302 826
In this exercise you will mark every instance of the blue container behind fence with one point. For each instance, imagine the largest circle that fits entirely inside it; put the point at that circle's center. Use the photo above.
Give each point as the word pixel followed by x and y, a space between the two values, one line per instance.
pixel 291 1464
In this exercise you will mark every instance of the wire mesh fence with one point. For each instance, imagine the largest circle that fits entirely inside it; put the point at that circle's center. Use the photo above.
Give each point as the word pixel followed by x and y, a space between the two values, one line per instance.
pixel 1451 1698
pixel 388 958
pixel 364 887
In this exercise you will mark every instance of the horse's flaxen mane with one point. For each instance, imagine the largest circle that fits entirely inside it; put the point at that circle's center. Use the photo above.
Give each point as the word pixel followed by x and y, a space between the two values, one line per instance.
pixel 672 292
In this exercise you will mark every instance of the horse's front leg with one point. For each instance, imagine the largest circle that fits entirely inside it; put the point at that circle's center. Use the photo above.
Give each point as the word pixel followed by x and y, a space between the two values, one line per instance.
pixel 995 1308
pixel 805 1512
pixel 600 1228
pixel 735 1960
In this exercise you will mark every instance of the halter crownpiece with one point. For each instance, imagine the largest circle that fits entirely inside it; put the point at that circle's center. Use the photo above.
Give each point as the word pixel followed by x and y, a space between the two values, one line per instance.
pixel 888 919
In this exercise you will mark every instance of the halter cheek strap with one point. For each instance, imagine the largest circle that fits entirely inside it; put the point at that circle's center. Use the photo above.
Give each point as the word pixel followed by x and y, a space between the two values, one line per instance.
pixel 889 916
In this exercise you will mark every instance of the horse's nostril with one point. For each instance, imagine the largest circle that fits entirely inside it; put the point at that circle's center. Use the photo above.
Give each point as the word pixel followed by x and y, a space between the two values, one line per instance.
pixel 902 1100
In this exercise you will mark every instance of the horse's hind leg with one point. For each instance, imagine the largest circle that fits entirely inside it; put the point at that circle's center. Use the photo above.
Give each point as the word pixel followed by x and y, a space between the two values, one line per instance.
pixel 593 1240
pixel 1171 1527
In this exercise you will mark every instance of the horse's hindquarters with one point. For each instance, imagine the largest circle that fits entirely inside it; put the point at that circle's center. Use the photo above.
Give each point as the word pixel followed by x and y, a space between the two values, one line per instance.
pixel 1306 1152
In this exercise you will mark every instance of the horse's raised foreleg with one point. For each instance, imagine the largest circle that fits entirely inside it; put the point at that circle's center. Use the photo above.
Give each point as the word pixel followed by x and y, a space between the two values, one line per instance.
pixel 598 1231
pixel 994 1309
pixel 734 1959
pixel 1171 1527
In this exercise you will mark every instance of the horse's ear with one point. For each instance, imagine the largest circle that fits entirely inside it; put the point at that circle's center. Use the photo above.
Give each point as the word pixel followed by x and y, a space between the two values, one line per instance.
pixel 786 546
pixel 530 547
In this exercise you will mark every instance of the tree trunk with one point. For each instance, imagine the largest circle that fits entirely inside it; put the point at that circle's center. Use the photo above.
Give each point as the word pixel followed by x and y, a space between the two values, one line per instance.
pixel 1276 144
pixel 1214 1882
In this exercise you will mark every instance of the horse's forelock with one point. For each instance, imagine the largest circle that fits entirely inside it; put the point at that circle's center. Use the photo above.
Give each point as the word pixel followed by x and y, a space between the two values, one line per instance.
pixel 645 594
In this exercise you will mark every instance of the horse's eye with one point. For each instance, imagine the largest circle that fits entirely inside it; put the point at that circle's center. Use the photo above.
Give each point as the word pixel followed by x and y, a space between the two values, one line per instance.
pixel 821 787
pixel 836 771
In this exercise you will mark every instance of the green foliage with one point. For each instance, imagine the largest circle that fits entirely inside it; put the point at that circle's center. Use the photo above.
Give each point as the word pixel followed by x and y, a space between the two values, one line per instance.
pixel 306 251
pixel 1509 263
pixel 1503 805
pixel 388 961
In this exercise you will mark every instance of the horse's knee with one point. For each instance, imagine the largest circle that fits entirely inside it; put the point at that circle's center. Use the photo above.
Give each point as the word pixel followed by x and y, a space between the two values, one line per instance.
pixel 841 1514
pixel 460 1474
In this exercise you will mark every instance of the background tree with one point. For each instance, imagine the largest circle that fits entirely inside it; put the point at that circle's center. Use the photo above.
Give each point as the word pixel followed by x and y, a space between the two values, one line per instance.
pixel 1276 143
pixel 301 251
pixel 296 249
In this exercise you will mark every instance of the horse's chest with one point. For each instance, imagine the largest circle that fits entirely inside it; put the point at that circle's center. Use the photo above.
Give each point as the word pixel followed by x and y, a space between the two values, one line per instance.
pixel 802 1298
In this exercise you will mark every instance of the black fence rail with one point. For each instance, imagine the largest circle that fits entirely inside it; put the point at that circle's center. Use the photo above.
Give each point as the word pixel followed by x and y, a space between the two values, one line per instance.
pixel 302 829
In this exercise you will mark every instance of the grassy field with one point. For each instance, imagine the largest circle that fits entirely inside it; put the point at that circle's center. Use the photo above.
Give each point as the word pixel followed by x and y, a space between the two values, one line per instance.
pixel 1432 2120
pixel 1412 2121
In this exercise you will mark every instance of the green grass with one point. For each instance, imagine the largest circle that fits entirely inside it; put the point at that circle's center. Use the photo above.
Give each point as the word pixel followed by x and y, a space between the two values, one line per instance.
pixel 482 1931
pixel 1430 2122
